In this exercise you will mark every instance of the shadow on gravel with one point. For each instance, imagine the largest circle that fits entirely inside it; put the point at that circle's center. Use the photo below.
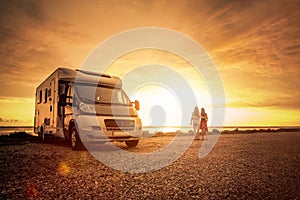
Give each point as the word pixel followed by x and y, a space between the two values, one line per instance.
pixel 106 147
pixel 56 142
pixel 17 138
pixel 20 138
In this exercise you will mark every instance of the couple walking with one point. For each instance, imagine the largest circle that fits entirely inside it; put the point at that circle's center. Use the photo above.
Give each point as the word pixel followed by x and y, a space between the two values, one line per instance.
pixel 202 119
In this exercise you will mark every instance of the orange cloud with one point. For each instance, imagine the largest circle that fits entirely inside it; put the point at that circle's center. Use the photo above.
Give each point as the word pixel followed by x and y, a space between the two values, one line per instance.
pixel 255 44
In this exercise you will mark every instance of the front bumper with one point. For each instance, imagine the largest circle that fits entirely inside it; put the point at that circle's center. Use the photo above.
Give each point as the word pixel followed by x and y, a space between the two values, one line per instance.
pixel 92 129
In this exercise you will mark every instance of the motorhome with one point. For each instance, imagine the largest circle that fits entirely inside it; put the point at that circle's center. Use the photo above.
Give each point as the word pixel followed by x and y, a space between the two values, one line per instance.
pixel 83 106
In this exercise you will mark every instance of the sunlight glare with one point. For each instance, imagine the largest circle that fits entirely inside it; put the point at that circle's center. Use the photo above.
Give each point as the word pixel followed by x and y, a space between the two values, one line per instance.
pixel 159 106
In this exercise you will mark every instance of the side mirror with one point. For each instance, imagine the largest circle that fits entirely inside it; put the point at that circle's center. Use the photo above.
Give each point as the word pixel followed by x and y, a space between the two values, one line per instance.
pixel 137 105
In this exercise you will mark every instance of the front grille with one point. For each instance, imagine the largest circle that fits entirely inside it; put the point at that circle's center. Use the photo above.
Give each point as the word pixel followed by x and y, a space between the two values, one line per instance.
pixel 119 124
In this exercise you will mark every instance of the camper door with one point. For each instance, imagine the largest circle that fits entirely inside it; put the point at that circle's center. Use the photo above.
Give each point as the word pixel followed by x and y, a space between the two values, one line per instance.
pixel 51 98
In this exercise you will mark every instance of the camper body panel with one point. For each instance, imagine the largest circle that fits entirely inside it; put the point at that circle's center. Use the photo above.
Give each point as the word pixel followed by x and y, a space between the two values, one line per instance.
pixel 46 106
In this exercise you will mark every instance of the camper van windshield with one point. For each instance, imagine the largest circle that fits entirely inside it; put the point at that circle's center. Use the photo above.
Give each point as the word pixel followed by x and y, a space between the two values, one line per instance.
pixel 102 95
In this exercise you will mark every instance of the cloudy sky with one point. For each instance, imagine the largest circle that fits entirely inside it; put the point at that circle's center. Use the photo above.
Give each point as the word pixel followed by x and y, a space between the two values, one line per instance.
pixel 255 46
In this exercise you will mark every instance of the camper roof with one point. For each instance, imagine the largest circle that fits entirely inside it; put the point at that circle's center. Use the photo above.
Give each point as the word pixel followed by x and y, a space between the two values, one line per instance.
pixel 82 76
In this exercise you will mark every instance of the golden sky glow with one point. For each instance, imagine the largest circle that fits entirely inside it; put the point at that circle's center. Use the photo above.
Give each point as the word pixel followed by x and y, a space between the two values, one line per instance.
pixel 254 44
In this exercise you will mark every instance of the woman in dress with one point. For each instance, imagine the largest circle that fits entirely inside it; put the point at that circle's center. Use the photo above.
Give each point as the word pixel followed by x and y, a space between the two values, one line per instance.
pixel 203 123
pixel 195 119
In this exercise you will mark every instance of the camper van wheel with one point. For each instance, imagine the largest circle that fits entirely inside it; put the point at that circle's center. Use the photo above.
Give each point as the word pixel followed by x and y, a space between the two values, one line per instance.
pixel 132 143
pixel 48 138
pixel 40 137
pixel 76 143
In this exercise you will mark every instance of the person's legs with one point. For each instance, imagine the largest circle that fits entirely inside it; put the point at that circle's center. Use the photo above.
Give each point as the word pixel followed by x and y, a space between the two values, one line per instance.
pixel 195 128
pixel 205 132
pixel 196 131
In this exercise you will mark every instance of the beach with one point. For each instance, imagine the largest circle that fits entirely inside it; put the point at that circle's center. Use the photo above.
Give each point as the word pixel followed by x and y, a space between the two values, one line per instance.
pixel 241 166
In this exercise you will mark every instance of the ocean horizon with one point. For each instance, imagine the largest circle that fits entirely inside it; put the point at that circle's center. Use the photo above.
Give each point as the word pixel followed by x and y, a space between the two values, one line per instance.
pixel 6 130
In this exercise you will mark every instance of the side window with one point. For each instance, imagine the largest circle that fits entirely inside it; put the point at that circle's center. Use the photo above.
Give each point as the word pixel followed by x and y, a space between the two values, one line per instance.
pixel 125 99
pixel 40 96
pixel 46 92
pixel 120 97
pixel 49 93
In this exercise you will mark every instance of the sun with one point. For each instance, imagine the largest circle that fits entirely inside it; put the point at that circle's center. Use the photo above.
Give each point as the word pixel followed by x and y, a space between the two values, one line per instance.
pixel 159 105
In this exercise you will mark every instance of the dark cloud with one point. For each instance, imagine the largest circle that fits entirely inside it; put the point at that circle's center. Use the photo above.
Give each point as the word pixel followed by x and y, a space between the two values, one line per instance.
pixel 30 46
pixel 19 10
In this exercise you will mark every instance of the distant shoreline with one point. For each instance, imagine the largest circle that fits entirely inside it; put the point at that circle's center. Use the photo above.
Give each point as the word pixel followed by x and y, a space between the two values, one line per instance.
pixel 16 127
pixel 4 130
pixel 23 137
pixel 225 127
pixel 210 127
pixel 261 130
pixel 28 130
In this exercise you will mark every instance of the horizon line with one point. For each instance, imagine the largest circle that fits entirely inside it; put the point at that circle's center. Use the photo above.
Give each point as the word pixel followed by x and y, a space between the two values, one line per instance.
pixel 185 126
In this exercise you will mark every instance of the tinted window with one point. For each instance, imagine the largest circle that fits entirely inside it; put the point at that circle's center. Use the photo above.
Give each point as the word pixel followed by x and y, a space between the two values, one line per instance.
pixel 46 95
pixel 41 96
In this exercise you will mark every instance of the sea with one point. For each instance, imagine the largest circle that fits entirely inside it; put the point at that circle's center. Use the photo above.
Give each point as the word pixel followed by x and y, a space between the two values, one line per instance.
pixel 186 129
pixel 7 130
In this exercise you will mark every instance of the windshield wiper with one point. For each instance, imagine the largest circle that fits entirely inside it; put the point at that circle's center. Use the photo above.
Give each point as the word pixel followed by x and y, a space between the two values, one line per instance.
pixel 87 100
pixel 100 102
pixel 111 103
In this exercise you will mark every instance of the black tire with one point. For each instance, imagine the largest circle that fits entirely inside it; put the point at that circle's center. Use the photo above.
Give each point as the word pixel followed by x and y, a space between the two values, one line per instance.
pixel 75 141
pixel 132 143
pixel 40 137
pixel 47 138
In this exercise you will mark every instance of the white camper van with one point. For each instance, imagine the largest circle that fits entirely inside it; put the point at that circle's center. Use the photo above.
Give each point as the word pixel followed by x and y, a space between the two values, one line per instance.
pixel 83 106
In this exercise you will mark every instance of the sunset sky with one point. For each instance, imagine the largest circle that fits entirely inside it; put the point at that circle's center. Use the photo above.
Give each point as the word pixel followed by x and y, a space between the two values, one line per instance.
pixel 255 46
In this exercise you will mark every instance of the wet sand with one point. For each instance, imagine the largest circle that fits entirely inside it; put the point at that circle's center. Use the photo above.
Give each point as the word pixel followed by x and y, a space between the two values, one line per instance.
pixel 240 166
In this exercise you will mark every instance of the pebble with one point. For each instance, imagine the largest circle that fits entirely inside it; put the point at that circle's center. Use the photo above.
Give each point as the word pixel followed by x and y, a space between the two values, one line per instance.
pixel 237 168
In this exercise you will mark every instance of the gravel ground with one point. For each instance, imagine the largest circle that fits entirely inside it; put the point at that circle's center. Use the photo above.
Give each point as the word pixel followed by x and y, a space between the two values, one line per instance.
pixel 241 166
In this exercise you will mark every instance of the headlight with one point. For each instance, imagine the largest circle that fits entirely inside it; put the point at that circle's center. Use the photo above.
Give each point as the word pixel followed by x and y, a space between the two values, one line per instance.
pixel 88 108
